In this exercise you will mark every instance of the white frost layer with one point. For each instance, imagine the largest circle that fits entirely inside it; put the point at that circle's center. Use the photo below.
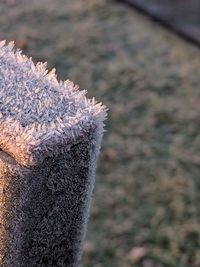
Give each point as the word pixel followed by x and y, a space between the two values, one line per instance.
pixel 35 106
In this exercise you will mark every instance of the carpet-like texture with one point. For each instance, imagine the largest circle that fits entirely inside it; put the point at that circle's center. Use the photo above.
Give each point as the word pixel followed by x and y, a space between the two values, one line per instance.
pixel 50 136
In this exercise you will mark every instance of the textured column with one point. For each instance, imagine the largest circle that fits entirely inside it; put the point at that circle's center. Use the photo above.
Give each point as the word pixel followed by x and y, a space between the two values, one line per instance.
pixel 50 136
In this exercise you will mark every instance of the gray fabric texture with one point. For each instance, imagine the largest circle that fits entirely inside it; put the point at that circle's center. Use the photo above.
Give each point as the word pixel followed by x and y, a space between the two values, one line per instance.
pixel 50 136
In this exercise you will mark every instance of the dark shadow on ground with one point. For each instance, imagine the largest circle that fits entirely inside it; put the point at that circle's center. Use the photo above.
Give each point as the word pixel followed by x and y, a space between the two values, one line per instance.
pixel 182 15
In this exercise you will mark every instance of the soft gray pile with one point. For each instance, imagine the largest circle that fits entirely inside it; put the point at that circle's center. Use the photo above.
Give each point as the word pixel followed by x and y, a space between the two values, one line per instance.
pixel 50 136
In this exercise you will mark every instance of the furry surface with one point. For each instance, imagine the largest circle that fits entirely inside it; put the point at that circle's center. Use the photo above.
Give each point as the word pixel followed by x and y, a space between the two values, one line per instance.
pixel 50 134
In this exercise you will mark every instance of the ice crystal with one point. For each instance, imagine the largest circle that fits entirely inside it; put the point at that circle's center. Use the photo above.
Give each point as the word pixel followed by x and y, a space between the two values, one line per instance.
pixel 35 106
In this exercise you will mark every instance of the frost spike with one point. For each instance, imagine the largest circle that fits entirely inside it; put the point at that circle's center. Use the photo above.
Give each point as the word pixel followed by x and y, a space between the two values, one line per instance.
pixel 2 43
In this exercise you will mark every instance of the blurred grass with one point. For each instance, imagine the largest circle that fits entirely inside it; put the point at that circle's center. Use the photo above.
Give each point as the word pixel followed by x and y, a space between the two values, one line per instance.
pixel 147 190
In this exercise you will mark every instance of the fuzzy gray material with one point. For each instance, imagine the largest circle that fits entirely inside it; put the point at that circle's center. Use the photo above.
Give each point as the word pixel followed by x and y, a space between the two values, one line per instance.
pixel 50 136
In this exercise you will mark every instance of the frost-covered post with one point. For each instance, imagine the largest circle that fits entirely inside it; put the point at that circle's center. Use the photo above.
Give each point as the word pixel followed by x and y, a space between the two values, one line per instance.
pixel 50 137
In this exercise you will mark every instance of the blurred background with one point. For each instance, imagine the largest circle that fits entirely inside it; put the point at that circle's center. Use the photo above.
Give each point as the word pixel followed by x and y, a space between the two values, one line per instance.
pixel 146 203
pixel 183 16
